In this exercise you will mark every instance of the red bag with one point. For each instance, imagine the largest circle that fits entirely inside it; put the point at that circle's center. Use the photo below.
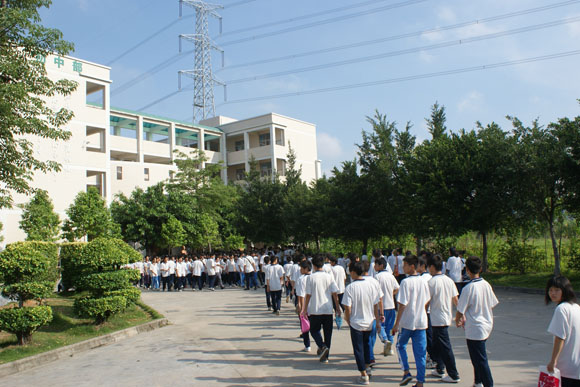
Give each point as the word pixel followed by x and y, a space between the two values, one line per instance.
pixel 304 324
pixel 548 379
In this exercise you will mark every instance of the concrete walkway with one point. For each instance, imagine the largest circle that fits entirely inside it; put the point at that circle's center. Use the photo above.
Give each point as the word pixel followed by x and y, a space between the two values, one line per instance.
pixel 227 338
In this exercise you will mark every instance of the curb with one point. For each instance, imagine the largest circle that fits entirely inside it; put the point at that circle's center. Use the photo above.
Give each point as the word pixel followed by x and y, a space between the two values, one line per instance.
pixel 73 349
pixel 520 290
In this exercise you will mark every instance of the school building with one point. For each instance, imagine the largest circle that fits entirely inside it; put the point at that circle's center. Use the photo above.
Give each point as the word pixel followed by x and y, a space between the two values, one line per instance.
pixel 117 150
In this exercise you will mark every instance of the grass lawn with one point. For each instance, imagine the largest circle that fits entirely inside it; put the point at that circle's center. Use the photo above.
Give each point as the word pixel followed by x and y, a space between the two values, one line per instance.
pixel 66 329
pixel 533 280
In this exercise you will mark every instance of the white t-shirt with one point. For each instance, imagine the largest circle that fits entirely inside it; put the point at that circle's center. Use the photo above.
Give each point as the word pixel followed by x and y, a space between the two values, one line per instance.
pixel 476 302
pixel 171 267
pixel 240 264
pixel 327 268
pixel 414 294
pixel 288 269
pixel 455 265
pixel 139 266
pixel 388 285
pixel 179 272
pixel 399 261
pixel 295 274
pixel 301 285
pixel 320 286
pixel 273 275
pixel 442 290
pixel 248 267
pixel 231 265
pixel 361 296
pixel 197 268
pixel 339 276
pixel 425 276
pixel 391 262
pixel 154 270
pixel 210 266
pixel 165 269
pixel 188 266
pixel 566 325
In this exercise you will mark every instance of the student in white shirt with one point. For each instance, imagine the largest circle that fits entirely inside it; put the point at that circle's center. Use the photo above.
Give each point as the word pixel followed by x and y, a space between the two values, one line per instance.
pixel 249 272
pixel 454 267
pixel 320 295
pixel 196 271
pixel 339 276
pixel 300 293
pixel 443 295
pixel 266 268
pixel 165 274
pixel 287 282
pixel 171 270
pixel 274 282
pixel 565 326
pixel 179 274
pixel 154 272
pixel 373 336
pixel 210 267
pixel 398 270
pixel 390 287
pixel 474 312
pixel 361 302
pixel 425 276
pixel 412 297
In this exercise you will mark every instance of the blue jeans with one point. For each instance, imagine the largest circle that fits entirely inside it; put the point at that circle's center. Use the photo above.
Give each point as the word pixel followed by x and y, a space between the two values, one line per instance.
pixel 478 356
pixel 419 350
pixel 211 279
pixel 361 348
pixel 372 340
pixel 155 282
pixel 387 326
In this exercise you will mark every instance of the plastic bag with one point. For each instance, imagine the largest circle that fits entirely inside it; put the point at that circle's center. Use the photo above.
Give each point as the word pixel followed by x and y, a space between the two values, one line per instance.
pixel 548 379
pixel 338 322
pixel 304 324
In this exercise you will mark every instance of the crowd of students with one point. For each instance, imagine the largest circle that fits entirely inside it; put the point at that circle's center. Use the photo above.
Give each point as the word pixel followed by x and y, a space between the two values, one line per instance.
pixel 403 296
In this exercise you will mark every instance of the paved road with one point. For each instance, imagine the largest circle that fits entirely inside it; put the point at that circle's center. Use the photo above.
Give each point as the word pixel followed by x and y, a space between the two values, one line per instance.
pixel 227 338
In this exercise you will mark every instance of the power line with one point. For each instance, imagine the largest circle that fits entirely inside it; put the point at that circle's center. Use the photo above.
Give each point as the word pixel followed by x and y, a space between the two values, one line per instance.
pixel 242 2
pixel 410 50
pixel 297 18
pixel 325 21
pixel 402 36
pixel 410 78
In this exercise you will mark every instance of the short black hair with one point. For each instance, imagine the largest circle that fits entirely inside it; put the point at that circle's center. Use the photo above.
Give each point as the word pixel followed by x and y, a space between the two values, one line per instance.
pixel 318 261
pixel 306 265
pixel 422 262
pixel 564 285
pixel 356 267
pixel 411 260
pixel 381 262
pixel 333 259
pixel 473 264
pixel 366 265
pixel 274 259
pixel 436 261
pixel 266 259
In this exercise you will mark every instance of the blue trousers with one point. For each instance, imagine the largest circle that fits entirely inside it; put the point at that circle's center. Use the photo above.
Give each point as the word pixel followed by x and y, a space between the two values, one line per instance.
pixel 276 299
pixel 360 347
pixel 318 321
pixel 387 326
pixel 419 350
pixel 478 356
pixel 211 279
pixel 155 282
pixel 268 298
pixel 372 340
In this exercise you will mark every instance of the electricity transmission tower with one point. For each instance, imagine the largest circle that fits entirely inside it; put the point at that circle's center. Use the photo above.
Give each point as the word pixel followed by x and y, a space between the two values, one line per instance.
pixel 203 79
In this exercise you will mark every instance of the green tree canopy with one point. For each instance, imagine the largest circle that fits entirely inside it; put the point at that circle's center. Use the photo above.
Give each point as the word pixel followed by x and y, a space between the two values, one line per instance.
pixel 39 221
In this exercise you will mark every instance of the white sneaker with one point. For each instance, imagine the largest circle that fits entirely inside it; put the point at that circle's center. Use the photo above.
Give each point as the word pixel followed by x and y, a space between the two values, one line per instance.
pixel 306 349
pixel 477 384
pixel 449 379
pixel 437 374
pixel 387 349
pixel 363 380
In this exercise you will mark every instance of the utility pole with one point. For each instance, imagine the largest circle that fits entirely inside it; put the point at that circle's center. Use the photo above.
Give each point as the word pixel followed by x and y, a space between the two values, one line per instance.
pixel 202 74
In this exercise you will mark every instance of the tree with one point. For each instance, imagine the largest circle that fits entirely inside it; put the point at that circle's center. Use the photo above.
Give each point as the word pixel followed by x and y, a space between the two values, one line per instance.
pixel 436 122
pixel 172 233
pixel 89 217
pixel 39 221
pixel 24 88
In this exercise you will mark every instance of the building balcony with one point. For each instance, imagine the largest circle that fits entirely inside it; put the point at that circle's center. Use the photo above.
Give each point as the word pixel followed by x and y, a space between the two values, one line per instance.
pixel 237 157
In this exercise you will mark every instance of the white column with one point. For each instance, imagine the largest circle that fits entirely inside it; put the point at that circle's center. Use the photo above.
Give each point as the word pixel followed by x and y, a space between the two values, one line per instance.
pixel 224 153
pixel 201 143
pixel 171 141
pixel 273 149
pixel 140 157
pixel 247 151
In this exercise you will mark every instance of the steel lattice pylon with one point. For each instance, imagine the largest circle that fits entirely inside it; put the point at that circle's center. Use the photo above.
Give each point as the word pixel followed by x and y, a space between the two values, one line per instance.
pixel 202 74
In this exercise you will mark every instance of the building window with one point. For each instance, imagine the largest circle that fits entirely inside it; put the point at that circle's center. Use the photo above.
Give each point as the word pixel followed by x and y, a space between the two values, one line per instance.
pixel 240 173
pixel 239 145
pixel 265 139
pixel 266 169
pixel 282 170
pixel 119 173
pixel 146 172
pixel 95 95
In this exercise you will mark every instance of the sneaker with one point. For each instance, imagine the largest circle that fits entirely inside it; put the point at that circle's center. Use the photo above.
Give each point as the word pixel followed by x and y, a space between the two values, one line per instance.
pixel 306 349
pixel 212 289
pixel 287 299
pixel 363 380
pixel 277 313
pixel 406 379
pixel 269 309
pixel 369 371
pixel 449 379
pixel 430 364
pixel 391 352
pixel 318 351
pixel 373 363
pixel 387 349
pixel 324 355
pixel 477 384
pixel 274 311
pixel 437 374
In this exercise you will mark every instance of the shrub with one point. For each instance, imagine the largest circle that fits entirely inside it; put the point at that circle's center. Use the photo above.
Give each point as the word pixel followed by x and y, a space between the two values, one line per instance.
pixel 515 256
pixel 69 261
pixel 23 322
pixel 131 294
pixel 99 309
pixel 99 283
pixel 574 260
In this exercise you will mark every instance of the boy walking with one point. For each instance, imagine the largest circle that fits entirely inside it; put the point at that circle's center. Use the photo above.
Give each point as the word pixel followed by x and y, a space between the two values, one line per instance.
pixel 274 282
pixel 361 311
pixel 300 289
pixel 474 313
pixel 390 287
pixel 412 298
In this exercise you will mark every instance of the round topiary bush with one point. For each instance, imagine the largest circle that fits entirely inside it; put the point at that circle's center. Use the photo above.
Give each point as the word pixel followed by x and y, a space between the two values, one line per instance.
pixel 100 309
pixel 23 322
pixel 69 255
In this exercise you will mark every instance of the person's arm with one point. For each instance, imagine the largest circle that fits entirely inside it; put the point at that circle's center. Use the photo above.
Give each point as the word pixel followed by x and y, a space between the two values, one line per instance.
pixel 455 300
pixel 304 311
pixel 459 319
pixel 398 319
pixel 338 308
pixel 558 345
pixel 347 314
pixel 379 313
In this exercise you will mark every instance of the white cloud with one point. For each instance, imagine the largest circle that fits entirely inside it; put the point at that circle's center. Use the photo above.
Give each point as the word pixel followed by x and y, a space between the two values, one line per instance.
pixel 328 146
pixel 574 30
pixel 83 5
pixel 473 101
pixel 426 57
pixel 434 36
pixel 446 15
pixel 291 83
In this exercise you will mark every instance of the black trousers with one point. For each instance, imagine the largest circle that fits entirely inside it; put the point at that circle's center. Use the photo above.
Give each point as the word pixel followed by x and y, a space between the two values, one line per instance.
pixel 478 356
pixel 443 352
pixel 324 322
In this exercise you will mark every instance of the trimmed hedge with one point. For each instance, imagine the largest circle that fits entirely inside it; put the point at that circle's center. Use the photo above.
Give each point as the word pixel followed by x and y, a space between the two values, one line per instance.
pixel 29 262
pixel 23 322
pixel 100 309
pixel 69 257
pixel 133 295
pixel 99 283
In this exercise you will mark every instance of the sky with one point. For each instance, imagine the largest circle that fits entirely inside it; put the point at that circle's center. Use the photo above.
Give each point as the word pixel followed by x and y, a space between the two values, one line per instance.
pixel 403 56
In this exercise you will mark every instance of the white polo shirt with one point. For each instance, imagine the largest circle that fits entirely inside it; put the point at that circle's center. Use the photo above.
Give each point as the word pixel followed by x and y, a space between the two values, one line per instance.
pixel 197 268
pixel 273 275
pixel 154 270
pixel 361 296
pixel 248 267
pixel 320 286
pixel 476 303
pixel 171 267
pixel 388 284
pixel 442 290
pixel 210 266
pixel 339 276
pixel 414 294
pixel 165 269
pixel 565 324
pixel 301 285
pixel 455 265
